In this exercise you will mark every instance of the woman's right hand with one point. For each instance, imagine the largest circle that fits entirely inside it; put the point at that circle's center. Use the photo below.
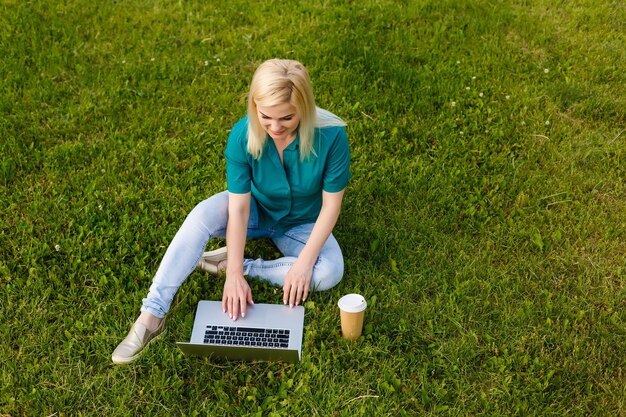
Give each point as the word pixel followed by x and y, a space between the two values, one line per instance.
pixel 236 297
pixel 237 292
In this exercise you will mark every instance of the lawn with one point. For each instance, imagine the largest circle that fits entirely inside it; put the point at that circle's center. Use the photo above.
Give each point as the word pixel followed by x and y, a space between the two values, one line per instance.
pixel 485 220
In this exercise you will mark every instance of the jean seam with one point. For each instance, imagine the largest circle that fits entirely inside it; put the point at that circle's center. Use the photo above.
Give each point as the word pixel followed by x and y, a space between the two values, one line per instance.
pixel 292 237
pixel 278 265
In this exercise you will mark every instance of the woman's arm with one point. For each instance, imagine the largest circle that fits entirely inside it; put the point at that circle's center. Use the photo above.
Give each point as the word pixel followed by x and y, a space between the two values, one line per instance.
pixel 298 279
pixel 237 293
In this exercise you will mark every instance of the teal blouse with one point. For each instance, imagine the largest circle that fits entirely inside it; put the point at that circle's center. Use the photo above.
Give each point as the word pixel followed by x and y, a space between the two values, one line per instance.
pixel 288 194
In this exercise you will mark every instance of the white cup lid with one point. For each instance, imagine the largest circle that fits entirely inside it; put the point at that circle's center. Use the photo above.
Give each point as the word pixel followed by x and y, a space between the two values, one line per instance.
pixel 352 303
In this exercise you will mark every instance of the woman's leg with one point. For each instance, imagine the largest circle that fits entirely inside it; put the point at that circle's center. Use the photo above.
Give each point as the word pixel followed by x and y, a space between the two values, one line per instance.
pixel 327 271
pixel 207 220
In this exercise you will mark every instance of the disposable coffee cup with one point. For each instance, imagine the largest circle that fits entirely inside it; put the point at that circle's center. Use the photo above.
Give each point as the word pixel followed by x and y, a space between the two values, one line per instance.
pixel 352 309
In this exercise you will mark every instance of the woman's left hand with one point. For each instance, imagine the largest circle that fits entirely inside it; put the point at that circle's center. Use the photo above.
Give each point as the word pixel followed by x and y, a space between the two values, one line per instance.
pixel 297 281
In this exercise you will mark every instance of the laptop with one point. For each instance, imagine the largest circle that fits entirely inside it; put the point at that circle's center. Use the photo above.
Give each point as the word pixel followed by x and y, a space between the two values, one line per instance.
pixel 269 332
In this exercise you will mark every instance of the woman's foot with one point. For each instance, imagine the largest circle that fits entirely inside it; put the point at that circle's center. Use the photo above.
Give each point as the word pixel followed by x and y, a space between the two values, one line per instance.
pixel 146 328
pixel 213 262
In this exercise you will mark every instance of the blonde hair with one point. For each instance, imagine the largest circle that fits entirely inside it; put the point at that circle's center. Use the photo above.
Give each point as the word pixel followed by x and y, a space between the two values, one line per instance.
pixel 279 81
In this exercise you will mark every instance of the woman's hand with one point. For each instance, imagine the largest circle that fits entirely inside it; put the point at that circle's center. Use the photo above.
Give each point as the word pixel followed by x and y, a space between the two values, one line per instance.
pixel 237 292
pixel 236 297
pixel 297 282
pixel 298 279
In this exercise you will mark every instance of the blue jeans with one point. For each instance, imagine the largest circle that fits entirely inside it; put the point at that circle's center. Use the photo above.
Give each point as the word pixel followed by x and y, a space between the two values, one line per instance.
pixel 208 220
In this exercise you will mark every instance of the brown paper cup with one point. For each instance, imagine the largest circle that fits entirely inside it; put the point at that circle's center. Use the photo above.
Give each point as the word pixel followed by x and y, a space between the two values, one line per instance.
pixel 352 311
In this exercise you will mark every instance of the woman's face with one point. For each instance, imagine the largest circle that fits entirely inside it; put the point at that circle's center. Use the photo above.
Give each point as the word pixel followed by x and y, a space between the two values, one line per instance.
pixel 280 121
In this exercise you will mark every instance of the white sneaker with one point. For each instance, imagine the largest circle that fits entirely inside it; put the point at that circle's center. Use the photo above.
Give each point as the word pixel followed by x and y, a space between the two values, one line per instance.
pixel 210 261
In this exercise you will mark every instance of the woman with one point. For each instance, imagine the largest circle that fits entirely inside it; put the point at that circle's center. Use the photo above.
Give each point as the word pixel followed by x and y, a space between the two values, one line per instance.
pixel 287 165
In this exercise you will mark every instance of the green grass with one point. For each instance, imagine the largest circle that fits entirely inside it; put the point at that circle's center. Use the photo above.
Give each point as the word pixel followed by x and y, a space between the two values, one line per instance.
pixel 485 222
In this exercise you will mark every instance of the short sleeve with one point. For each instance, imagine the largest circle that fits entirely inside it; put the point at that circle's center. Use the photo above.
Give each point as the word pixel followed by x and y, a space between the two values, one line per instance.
pixel 238 169
pixel 337 170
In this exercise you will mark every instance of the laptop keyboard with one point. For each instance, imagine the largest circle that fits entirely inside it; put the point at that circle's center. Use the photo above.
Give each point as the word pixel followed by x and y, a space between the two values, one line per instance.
pixel 246 336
